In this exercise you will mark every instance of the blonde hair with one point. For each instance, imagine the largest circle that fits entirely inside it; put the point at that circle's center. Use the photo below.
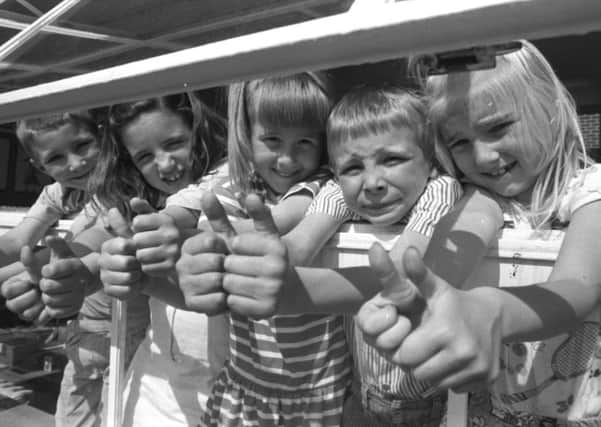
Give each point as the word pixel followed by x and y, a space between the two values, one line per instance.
pixel 371 110
pixel 525 80
pixel 299 100
pixel 29 130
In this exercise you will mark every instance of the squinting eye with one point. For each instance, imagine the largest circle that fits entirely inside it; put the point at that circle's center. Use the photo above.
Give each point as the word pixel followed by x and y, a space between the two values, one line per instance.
pixel 500 127
pixel 52 160
pixel 141 159
pixel 270 140
pixel 350 170
pixel 458 143
pixel 83 146
pixel 175 144
pixel 393 161
pixel 307 142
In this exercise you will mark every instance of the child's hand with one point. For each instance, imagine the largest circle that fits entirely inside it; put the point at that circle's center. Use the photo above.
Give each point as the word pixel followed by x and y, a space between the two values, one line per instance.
pixel 120 272
pixel 200 267
pixel 156 237
pixel 257 269
pixel 22 293
pixel 64 280
pixel 444 336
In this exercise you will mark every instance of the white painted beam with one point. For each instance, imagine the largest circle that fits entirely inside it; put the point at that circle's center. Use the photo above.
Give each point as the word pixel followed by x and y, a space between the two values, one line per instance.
pixel 384 32
pixel 35 27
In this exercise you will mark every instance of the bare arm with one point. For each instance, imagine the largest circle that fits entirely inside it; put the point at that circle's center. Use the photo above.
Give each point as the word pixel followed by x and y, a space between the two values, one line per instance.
pixel 542 310
pixel 286 215
pixel 463 236
pixel 309 237
pixel 27 233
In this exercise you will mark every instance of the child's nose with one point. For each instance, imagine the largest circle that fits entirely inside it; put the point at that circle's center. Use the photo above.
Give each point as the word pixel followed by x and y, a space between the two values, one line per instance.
pixel 76 163
pixel 485 156
pixel 164 163
pixel 374 183
pixel 286 159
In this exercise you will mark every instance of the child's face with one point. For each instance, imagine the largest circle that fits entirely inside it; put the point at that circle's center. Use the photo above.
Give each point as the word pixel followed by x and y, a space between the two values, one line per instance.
pixel 486 146
pixel 382 175
pixel 285 156
pixel 160 145
pixel 67 154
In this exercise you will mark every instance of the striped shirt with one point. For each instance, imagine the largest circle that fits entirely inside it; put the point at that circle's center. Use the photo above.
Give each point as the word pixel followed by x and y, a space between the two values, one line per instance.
pixel 373 371
pixel 299 361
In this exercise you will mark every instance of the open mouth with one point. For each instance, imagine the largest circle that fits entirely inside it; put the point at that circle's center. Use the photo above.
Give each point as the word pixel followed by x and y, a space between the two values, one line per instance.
pixel 502 171
pixel 180 171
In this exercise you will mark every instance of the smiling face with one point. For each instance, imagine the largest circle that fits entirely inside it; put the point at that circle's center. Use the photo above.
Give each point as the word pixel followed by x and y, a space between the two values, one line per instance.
pixel 486 144
pixel 160 145
pixel 381 175
pixel 67 154
pixel 285 156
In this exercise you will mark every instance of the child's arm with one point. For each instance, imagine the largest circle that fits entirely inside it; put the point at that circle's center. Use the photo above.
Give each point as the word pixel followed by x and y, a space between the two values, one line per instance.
pixel 326 213
pixel 462 237
pixel 574 287
pixel 39 218
pixel 27 233
pixel 484 317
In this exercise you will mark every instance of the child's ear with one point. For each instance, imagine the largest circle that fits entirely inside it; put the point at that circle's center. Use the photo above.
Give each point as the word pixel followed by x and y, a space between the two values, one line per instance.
pixel 33 162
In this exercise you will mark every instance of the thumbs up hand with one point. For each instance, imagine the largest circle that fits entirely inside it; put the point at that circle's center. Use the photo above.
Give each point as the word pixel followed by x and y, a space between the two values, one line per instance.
pixel 200 267
pixel 64 280
pixel 256 270
pixel 220 270
pixel 120 270
pixel 156 237
pixel 444 336
pixel 22 293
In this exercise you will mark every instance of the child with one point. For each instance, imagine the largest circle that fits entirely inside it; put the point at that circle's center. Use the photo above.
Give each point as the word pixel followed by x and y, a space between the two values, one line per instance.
pixel 513 131
pixel 283 370
pixel 382 154
pixel 65 147
pixel 157 147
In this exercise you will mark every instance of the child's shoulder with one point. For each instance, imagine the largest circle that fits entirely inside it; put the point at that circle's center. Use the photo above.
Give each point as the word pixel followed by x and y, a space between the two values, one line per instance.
pixel 442 188
pixel 582 189
pixel 312 184
pixel 51 199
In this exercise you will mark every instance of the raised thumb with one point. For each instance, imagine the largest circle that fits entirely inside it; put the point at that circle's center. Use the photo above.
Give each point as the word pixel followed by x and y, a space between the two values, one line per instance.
pixel 118 225
pixel 261 215
pixel 58 248
pixel 31 264
pixel 141 206
pixel 396 289
pixel 427 282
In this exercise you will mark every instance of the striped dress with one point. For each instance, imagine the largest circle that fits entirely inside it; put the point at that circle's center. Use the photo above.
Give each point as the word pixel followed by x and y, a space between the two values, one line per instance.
pixel 376 379
pixel 288 370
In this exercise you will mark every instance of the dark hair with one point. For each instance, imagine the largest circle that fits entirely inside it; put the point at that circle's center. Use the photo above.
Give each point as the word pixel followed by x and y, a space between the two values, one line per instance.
pixel 27 130
pixel 117 179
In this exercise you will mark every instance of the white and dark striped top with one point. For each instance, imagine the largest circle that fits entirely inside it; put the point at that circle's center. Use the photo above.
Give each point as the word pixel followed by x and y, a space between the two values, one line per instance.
pixel 285 355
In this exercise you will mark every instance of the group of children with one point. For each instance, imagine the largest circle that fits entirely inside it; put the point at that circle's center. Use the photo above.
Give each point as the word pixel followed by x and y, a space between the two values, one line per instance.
pixel 243 329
